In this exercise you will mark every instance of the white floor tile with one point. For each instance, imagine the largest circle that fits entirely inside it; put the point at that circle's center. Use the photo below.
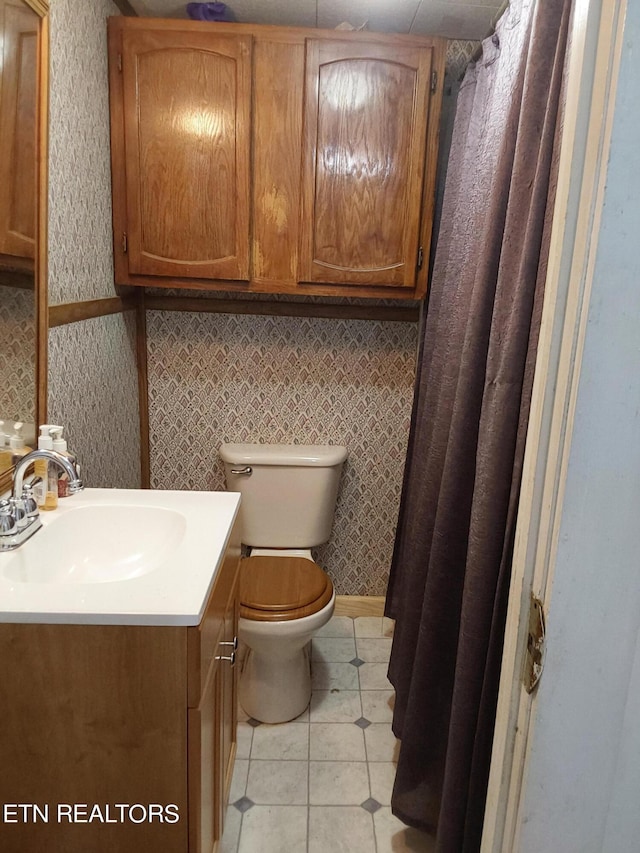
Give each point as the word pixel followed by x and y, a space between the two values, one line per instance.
pixel 381 743
pixel 377 705
pixel 336 742
pixel 381 777
pixel 392 836
pixel 279 783
pixel 338 783
pixel 373 626
pixel 339 707
pixel 231 834
pixel 245 736
pixel 274 829
pixel 327 676
pixel 373 676
pixel 286 741
pixel 340 829
pixel 373 650
pixel 338 626
pixel 335 649
pixel 239 779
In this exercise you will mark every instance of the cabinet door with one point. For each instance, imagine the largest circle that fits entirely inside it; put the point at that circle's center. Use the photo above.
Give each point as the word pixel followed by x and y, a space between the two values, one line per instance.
pixel 18 66
pixel 186 114
pixel 363 162
pixel 205 776
pixel 229 694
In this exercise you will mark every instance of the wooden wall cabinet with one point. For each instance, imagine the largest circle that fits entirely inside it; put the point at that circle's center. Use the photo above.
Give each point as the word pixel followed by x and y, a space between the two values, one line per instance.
pixel 270 159
pixel 121 714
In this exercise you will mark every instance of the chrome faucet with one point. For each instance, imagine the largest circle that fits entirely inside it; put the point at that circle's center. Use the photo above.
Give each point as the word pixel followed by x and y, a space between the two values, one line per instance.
pixel 19 516
pixel 75 484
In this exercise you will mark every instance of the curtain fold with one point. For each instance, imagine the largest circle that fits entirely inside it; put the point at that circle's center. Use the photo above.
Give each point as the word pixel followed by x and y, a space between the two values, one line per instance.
pixel 450 573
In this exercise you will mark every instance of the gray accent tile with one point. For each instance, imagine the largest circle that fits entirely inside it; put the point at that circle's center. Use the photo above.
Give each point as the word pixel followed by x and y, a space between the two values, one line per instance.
pixel 362 722
pixel 371 805
pixel 253 722
pixel 244 804
pixel 356 662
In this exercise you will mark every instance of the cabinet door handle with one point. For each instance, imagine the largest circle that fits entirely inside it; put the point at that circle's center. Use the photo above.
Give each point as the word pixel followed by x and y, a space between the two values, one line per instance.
pixel 233 643
pixel 231 658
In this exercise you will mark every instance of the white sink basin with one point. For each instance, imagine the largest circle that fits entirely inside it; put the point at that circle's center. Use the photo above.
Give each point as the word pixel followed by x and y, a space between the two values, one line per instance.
pixel 98 544
pixel 121 557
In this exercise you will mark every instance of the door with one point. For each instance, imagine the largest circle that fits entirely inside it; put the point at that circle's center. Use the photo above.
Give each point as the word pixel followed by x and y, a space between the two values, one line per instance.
pixel 186 114
pixel 364 140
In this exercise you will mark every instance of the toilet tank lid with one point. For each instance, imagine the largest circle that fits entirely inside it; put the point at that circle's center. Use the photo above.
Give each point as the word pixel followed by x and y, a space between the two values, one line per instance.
pixel 309 455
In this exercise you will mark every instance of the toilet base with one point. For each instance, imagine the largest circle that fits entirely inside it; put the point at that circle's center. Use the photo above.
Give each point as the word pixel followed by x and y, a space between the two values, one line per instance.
pixel 275 690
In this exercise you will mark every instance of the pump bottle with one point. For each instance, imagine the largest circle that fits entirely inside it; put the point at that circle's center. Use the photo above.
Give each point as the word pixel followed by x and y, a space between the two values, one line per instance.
pixel 46 491
pixel 16 443
pixel 60 445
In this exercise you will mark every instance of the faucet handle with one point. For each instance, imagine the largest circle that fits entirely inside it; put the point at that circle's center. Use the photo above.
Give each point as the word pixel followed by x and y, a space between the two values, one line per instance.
pixel 19 513
pixel 28 501
pixel 7 521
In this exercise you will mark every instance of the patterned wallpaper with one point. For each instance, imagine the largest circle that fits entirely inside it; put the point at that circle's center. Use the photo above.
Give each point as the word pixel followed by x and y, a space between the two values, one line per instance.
pixel 93 388
pixel 459 52
pixel 93 391
pixel 17 369
pixel 80 234
pixel 216 378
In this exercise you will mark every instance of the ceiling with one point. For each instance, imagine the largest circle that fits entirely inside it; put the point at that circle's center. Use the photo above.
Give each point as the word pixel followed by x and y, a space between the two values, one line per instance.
pixel 452 19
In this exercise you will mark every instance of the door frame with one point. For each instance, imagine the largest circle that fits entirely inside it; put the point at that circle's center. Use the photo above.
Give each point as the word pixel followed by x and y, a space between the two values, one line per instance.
pixel 596 44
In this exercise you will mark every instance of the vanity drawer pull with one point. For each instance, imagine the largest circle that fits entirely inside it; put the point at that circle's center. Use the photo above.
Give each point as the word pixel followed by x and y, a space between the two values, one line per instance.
pixel 231 658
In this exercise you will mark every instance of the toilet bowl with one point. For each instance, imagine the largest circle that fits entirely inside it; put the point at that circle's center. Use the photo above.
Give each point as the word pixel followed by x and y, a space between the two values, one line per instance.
pixel 288 501
pixel 275 682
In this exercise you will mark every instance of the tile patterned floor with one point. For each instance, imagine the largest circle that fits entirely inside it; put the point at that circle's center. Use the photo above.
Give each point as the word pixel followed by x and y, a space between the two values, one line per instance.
pixel 322 783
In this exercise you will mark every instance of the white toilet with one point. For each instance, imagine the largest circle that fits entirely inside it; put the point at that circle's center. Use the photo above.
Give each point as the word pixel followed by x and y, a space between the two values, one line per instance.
pixel 288 501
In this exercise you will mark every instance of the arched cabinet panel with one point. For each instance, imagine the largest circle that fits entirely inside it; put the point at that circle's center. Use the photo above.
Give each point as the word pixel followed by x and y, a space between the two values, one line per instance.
pixel 364 158
pixel 186 107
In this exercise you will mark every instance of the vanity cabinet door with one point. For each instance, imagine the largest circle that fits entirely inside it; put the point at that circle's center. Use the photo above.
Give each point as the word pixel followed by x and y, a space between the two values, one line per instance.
pixel 186 114
pixel 229 693
pixel 212 700
pixel 364 149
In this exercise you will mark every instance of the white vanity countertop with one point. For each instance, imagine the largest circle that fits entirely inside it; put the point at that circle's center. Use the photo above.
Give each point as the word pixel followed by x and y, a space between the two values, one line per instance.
pixel 172 560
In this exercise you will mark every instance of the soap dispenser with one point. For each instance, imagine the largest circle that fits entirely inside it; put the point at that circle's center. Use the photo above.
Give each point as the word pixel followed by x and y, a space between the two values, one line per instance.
pixel 60 444
pixel 46 491
pixel 16 443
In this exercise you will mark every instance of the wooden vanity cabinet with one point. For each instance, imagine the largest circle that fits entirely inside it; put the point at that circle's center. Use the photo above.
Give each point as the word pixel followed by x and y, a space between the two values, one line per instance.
pixel 121 714
pixel 319 162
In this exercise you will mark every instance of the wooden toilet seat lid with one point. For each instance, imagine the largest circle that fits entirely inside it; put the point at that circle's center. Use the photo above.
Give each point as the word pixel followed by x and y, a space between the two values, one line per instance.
pixel 281 588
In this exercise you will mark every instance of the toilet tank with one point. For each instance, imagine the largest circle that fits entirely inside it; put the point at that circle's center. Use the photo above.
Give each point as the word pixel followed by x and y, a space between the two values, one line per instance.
pixel 288 494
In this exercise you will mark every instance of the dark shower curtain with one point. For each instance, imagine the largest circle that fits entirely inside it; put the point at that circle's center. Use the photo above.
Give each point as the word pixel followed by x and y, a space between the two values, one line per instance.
pixel 450 575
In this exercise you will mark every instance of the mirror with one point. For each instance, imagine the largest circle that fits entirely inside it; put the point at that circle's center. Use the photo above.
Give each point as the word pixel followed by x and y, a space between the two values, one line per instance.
pixel 23 218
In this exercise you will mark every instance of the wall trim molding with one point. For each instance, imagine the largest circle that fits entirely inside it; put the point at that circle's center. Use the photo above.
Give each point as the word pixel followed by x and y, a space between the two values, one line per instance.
pixel 208 305
pixel 73 312
pixel 359 605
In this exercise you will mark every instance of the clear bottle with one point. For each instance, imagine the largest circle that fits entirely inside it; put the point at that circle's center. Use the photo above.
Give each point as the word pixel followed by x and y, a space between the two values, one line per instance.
pixel 46 491
pixel 60 444
pixel 17 445
pixel 5 450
